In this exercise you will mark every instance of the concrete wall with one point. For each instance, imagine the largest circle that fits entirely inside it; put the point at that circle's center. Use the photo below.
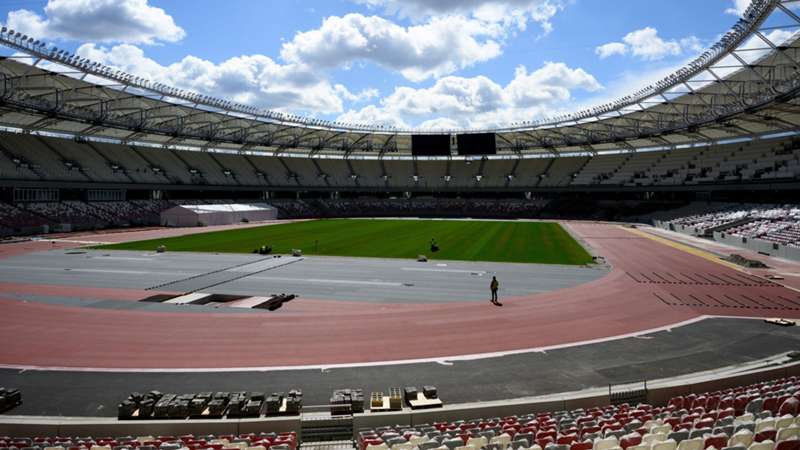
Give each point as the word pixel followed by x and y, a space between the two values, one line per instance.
pixel 757 245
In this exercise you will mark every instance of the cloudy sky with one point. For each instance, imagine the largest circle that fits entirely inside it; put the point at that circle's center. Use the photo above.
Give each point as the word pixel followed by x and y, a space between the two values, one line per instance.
pixel 420 63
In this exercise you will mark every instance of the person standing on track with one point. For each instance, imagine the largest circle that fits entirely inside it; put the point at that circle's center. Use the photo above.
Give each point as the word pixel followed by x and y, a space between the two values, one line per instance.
pixel 494 286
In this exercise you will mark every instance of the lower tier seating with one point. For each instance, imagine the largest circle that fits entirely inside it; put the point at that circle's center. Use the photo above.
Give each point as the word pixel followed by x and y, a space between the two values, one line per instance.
pixel 762 416
pixel 249 441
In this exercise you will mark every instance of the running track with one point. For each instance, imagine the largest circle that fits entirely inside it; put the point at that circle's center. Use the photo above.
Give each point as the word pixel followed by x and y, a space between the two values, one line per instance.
pixel 652 285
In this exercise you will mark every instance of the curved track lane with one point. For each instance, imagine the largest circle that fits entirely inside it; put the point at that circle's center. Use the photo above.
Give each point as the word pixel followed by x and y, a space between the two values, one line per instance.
pixel 644 291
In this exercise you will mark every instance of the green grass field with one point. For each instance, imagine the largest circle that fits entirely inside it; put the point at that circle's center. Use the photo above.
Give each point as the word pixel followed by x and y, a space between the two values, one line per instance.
pixel 519 242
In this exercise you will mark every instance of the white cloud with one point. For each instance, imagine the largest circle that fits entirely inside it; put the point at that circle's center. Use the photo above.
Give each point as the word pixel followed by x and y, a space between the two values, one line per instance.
pixel 440 123
pixel 374 115
pixel 508 12
pixel 130 21
pixel 436 48
pixel 457 102
pixel 647 45
pixel 738 8
pixel 365 95
pixel 254 80
pixel 612 48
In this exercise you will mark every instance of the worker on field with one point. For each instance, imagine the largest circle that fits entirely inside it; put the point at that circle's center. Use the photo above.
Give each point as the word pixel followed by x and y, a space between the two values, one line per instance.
pixel 494 286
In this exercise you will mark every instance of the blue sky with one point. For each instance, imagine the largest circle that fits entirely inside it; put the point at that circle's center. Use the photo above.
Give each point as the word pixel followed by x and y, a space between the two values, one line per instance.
pixel 421 63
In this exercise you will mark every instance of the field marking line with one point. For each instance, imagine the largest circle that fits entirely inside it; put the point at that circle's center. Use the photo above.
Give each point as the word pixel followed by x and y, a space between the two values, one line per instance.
pixel 435 360
pixel 79 270
pixel 121 258
pixel 421 269
pixel 323 281
pixel 71 241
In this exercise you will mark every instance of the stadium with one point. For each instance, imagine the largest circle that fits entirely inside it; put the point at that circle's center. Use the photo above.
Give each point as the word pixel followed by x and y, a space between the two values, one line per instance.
pixel 181 270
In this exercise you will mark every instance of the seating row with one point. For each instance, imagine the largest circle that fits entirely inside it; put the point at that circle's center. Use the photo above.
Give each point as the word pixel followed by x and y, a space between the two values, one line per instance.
pixel 762 416
pixel 250 441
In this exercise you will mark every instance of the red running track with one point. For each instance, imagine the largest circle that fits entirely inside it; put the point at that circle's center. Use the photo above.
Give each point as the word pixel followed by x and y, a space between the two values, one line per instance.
pixel 651 285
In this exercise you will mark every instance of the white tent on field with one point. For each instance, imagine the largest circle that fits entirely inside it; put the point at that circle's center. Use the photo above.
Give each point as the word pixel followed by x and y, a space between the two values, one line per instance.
pixel 204 215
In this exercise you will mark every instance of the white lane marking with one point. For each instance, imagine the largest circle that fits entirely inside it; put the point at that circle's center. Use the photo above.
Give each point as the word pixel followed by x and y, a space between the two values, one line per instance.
pixel 68 269
pixel 324 367
pixel 125 272
pixel 421 269
pixel 323 281
pixel 121 258
pixel 247 302
pixel 188 298
pixel 71 241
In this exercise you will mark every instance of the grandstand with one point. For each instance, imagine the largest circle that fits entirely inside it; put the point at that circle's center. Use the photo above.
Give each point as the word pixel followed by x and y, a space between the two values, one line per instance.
pixel 625 322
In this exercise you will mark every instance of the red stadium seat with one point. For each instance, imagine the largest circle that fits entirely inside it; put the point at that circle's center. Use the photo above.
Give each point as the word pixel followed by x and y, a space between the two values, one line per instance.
pixel 582 446
pixel 790 406
pixel 764 435
pixel 717 441
pixel 630 440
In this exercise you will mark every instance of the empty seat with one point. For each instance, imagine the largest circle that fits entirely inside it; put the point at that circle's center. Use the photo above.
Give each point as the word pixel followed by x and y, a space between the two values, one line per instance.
pixel 650 438
pixel 605 443
pixel 407 446
pixel 717 441
pixel 766 445
pixel 699 432
pixel 452 444
pixel 503 440
pixel 763 424
pixel 691 444
pixel 478 442
pixel 743 438
pixel 585 445
pixel 784 421
pixel 519 444
pixel 665 429
pixel 789 432
pixel 429 445
pixel 668 444
pixel 630 440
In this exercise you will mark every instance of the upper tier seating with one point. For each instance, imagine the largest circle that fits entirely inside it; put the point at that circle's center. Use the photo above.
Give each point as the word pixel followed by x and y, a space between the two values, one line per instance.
pixel 31 157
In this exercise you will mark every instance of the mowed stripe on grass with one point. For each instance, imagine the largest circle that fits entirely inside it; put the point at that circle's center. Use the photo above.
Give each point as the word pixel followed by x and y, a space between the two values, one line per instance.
pixel 521 242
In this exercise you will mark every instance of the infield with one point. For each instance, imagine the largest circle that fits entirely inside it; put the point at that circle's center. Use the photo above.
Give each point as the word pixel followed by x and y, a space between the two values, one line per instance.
pixel 499 241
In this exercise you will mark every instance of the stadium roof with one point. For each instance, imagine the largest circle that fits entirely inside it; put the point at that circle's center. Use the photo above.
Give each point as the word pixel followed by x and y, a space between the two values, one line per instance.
pixel 744 85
